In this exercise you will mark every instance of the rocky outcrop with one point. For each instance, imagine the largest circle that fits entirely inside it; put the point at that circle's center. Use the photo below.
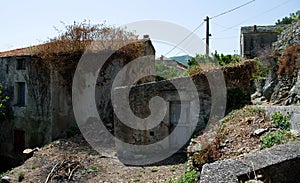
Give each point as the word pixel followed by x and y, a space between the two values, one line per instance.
pixel 282 86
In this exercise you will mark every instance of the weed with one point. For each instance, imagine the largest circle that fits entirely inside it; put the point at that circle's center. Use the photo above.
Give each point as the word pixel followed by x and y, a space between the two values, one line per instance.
pixel 93 168
pixel 154 169
pixel 188 177
pixel 281 121
pixel 20 176
pixel 33 167
pixel 277 137
pixel 4 174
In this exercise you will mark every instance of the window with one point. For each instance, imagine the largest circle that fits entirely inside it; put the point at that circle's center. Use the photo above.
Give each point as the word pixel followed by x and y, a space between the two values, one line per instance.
pixel 20 94
pixel 21 64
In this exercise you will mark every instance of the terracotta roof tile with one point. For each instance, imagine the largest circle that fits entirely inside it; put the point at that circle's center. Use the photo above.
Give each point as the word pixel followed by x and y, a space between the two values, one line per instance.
pixel 29 51
pixel 17 52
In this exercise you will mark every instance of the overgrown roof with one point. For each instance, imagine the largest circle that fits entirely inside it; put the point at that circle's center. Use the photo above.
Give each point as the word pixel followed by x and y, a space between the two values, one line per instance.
pixel 36 49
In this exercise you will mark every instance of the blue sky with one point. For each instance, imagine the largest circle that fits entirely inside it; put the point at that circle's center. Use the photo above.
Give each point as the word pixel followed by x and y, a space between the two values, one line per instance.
pixel 31 22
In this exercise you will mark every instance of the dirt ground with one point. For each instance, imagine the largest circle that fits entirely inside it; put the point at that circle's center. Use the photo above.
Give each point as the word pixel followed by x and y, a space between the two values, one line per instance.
pixel 73 160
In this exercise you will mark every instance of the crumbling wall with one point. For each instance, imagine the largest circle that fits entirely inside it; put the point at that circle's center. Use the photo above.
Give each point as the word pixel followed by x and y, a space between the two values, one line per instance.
pixel 236 77
pixel 28 117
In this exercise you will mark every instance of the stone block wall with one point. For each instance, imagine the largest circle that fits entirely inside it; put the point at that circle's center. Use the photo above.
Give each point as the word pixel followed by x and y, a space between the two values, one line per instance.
pixel 257 39
pixel 235 77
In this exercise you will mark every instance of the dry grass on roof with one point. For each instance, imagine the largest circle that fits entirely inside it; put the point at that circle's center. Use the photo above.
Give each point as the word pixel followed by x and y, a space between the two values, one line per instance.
pixel 248 65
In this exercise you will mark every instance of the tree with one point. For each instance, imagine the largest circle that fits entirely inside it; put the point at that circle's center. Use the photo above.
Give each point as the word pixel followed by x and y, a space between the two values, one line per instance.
pixel 204 62
pixel 64 51
pixel 288 20
pixel 3 104
pixel 164 72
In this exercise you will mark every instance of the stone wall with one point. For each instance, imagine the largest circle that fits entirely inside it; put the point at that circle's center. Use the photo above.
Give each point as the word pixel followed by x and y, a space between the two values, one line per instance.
pixel 33 118
pixel 108 75
pixel 257 39
pixel 282 89
pixel 48 110
pixel 277 164
pixel 236 78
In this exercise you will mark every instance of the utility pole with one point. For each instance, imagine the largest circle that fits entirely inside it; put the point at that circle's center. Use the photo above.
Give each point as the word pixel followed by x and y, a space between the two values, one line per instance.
pixel 207 35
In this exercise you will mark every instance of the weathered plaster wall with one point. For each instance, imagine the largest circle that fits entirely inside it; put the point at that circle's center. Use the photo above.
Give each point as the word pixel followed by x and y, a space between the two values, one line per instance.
pixel 144 65
pixel 237 77
pixel 256 41
pixel 37 126
pixel 62 117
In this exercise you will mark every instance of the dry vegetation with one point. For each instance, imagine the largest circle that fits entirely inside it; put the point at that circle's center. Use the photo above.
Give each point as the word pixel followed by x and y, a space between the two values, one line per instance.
pixel 290 60
pixel 73 160
pixel 235 135
pixel 63 52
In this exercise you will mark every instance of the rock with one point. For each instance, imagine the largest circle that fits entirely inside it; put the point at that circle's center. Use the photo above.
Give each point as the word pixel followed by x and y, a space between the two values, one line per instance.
pixel 253 181
pixel 259 120
pixel 287 88
pixel 240 150
pixel 295 133
pixel 28 151
pixel 5 179
pixel 260 131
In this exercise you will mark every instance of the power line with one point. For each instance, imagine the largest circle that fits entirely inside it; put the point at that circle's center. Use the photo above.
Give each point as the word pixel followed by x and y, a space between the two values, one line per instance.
pixel 238 7
pixel 198 27
pixel 204 21
pixel 269 10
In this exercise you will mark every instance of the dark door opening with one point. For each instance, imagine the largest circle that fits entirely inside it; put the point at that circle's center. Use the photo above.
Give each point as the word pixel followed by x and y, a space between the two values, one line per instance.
pixel 19 140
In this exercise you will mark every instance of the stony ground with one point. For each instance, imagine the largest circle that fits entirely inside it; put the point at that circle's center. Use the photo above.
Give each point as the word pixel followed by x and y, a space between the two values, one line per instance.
pixel 73 160
pixel 239 133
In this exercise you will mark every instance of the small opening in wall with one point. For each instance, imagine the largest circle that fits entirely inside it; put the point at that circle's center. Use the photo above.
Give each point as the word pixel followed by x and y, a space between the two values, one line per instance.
pixel 21 64
pixel 152 133
pixel 20 93
pixel 19 140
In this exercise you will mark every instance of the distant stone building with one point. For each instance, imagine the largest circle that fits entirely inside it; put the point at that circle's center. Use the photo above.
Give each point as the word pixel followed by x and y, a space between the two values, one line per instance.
pixel 255 40
pixel 40 103
pixel 180 67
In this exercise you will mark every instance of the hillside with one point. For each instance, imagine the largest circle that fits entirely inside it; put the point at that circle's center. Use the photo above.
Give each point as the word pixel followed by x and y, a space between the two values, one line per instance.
pixel 73 160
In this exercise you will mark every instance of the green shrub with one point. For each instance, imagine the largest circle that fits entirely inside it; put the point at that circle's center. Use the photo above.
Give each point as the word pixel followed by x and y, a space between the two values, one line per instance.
pixel 262 70
pixel 3 104
pixel 281 121
pixel 188 177
pixel 164 72
pixel 276 137
pixel 4 173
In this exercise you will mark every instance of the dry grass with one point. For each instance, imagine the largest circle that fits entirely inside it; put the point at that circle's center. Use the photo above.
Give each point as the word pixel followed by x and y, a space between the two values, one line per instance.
pixel 290 60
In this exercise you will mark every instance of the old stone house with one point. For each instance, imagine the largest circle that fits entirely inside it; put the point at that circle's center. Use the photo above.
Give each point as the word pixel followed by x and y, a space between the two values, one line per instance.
pixel 40 105
pixel 255 40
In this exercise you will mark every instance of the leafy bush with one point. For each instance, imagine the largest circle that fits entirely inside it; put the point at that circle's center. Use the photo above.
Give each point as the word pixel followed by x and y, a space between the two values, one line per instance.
pixel 4 173
pixel 262 70
pixel 164 72
pixel 227 59
pixel 277 137
pixel 288 20
pixel 204 62
pixel 281 121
